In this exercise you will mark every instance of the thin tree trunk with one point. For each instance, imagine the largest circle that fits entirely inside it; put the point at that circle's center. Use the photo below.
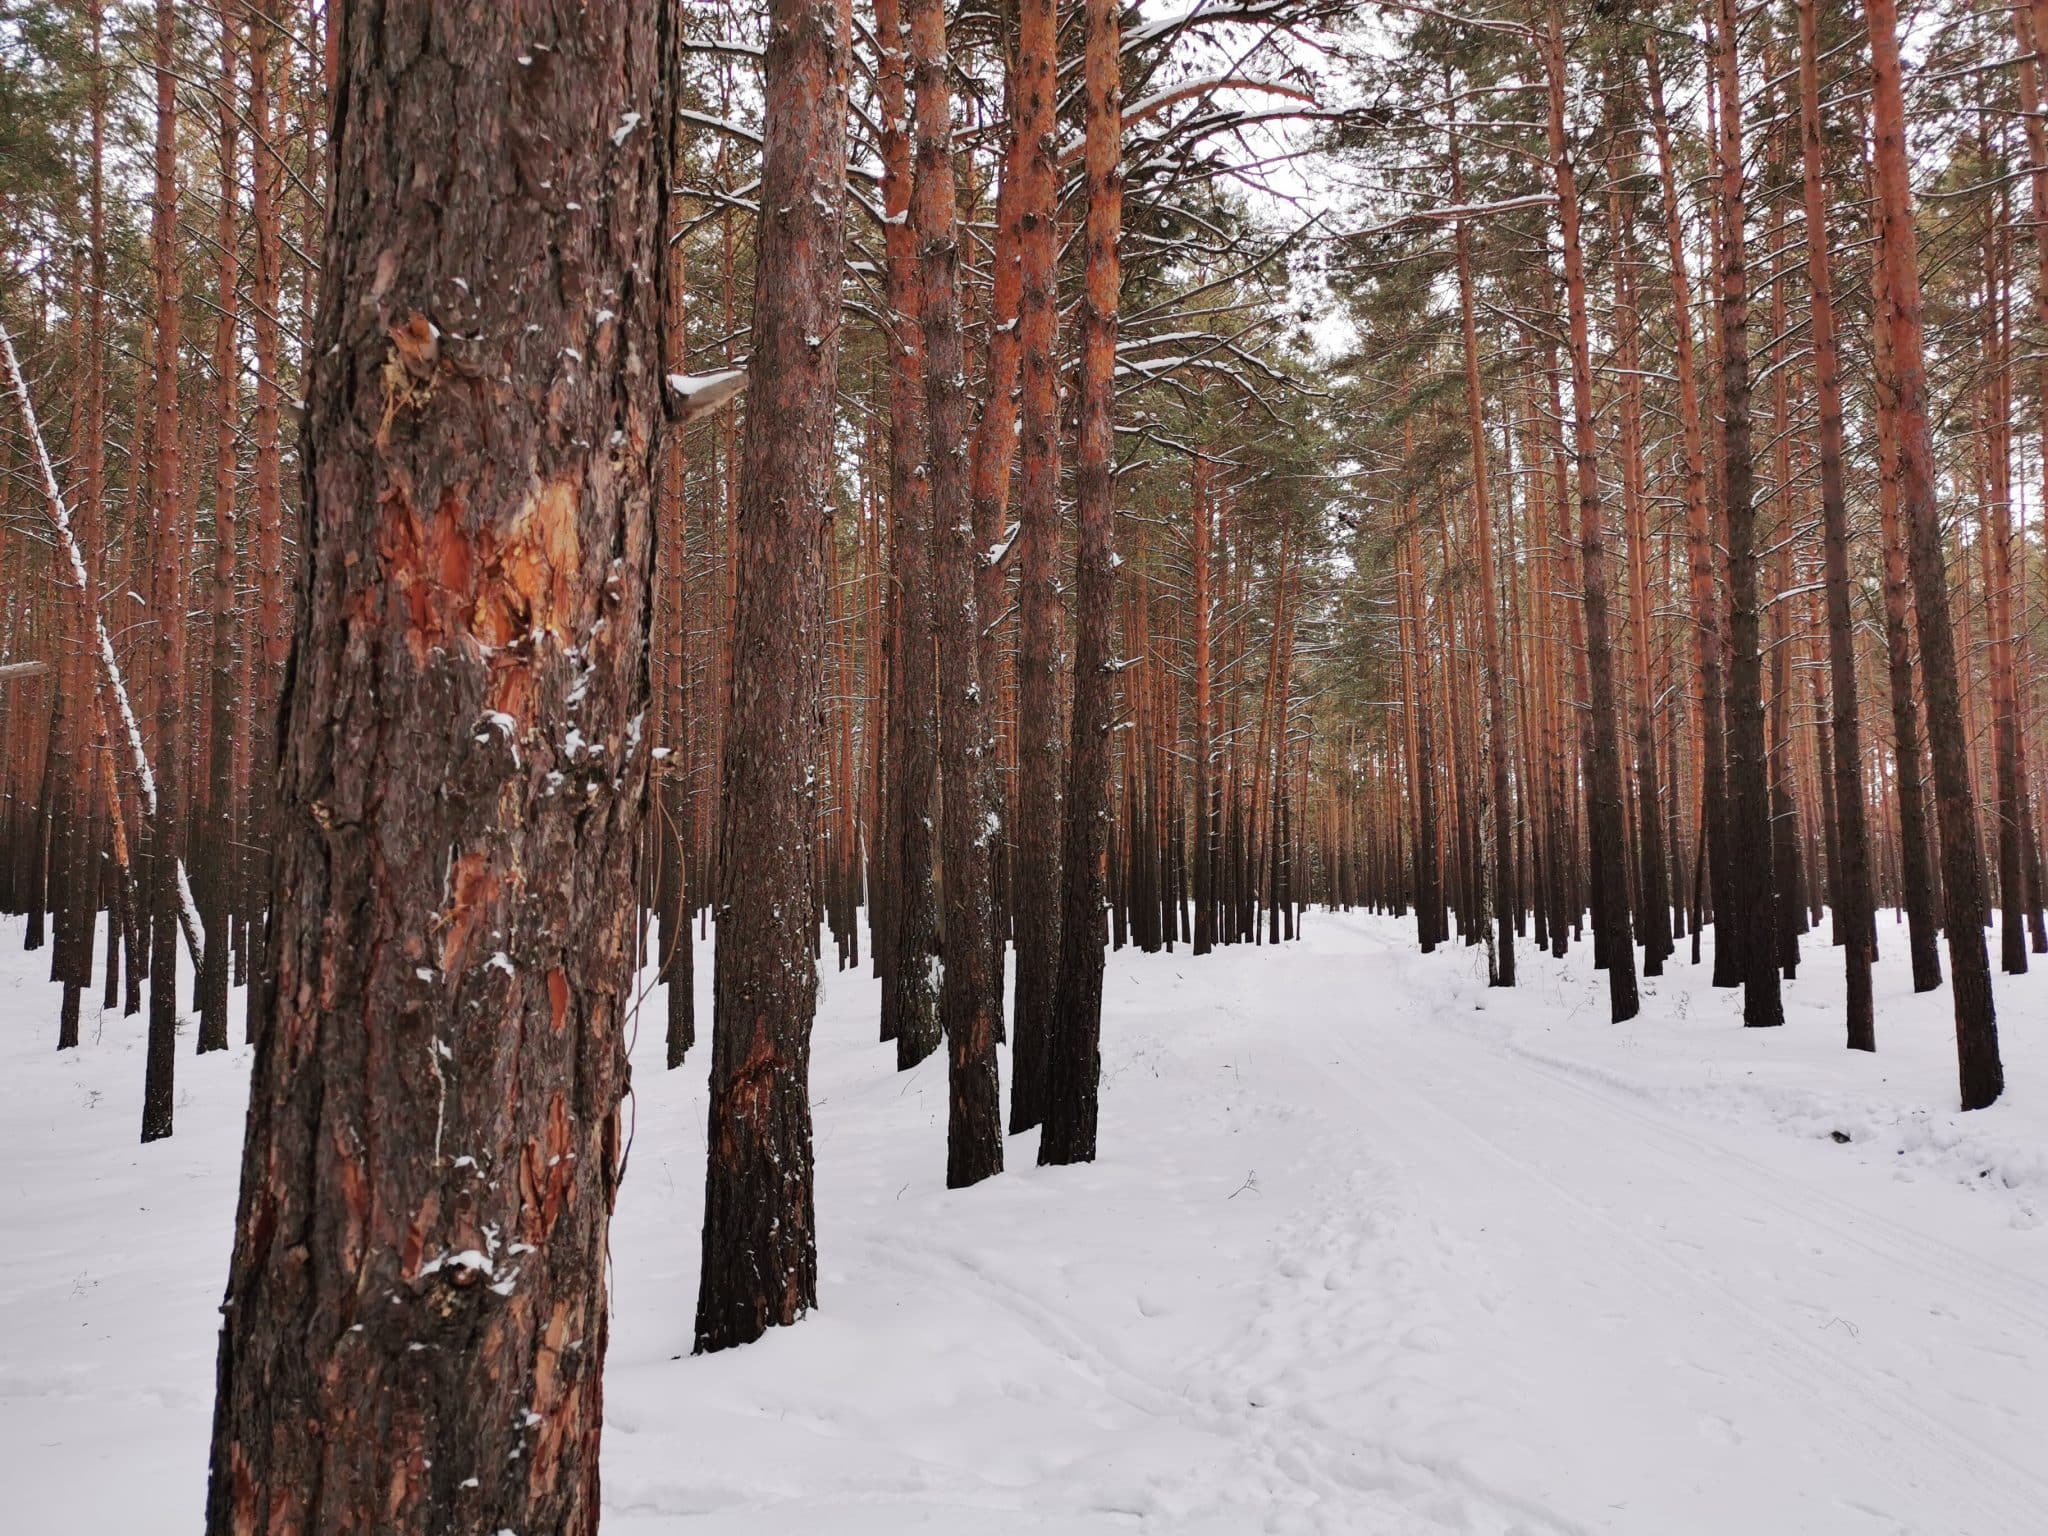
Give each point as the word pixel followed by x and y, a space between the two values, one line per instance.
pixel 214 864
pixel 167 600
pixel 1498 740
pixel 1851 866
pixel 273 624
pixel 1980 1073
pixel 1654 896
pixel 1750 876
pixel 1603 789
pixel 1917 881
pixel 1036 892
pixel 970 997
pixel 910 1004
pixel 1074 1056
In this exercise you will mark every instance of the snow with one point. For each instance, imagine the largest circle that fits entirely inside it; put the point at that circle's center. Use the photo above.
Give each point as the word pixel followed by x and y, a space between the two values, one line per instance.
pixel 698 394
pixel 1370 1249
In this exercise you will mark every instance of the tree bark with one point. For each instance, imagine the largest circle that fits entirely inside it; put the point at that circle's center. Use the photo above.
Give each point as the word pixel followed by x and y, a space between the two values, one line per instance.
pixel 760 1249
pixel 415 1317
pixel 970 995
pixel 1606 819
pixel 1750 882
pixel 910 1002
pixel 1980 1073
pixel 1916 870
pixel 1036 892
pixel 1851 867
pixel 1074 1058
pixel 1498 739
pixel 273 624
pixel 167 601
pixel 213 866
pixel 1654 895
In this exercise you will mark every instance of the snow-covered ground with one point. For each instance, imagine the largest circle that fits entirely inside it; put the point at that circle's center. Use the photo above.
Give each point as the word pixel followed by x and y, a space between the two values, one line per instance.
pixel 1369 1250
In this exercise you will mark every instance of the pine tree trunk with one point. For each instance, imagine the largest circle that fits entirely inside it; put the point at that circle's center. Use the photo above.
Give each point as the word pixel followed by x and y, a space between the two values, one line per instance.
pixel 167 601
pixel 1995 546
pixel 1749 850
pixel 1036 893
pixel 995 446
pixel 1074 1046
pixel 415 1318
pixel 760 1250
pixel 1654 896
pixel 1498 740
pixel 212 864
pixel 1850 867
pixel 1980 1073
pixel 273 625
pixel 1604 808
pixel 910 1000
pixel 970 996
pixel 1916 868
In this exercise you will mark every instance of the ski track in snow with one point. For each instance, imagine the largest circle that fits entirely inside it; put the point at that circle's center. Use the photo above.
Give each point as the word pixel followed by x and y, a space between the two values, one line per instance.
pixel 1370 1249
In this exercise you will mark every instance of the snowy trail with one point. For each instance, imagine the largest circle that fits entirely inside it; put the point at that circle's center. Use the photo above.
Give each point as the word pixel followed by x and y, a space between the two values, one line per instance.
pixel 1370 1250
pixel 1646 1296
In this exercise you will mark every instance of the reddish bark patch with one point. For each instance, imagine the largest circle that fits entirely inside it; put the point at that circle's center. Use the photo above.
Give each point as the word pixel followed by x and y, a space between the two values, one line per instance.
pixel 428 562
pixel 354 1184
pixel 476 888
pixel 547 1170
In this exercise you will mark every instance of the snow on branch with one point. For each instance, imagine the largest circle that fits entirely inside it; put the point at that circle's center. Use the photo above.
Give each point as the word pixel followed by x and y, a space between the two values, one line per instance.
pixel 700 394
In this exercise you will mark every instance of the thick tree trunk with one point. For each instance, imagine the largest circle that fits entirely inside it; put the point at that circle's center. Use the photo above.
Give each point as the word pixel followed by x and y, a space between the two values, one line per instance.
pixel 1979 1070
pixel 760 1248
pixel 1074 1057
pixel 415 1317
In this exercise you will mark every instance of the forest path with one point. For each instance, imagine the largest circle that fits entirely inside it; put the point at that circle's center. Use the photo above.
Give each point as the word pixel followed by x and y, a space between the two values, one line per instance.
pixel 1643 1322
pixel 1371 1250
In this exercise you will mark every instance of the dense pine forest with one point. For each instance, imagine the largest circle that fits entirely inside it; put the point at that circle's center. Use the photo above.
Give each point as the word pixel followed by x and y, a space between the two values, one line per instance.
pixel 525 527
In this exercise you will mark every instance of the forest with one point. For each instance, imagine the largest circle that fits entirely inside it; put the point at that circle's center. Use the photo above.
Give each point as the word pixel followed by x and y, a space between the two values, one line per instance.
pixel 1422 625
